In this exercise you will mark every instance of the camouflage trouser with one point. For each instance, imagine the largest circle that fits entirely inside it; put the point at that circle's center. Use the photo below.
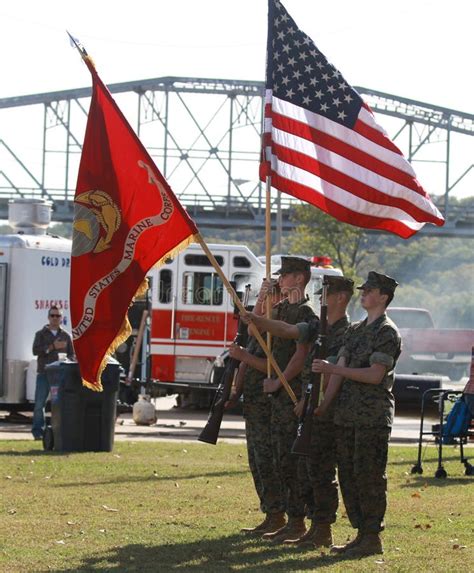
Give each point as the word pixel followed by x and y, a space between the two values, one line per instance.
pixel 320 468
pixel 362 461
pixel 284 426
pixel 266 477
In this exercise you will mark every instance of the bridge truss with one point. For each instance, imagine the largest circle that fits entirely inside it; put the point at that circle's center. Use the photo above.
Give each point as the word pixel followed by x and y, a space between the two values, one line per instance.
pixel 204 135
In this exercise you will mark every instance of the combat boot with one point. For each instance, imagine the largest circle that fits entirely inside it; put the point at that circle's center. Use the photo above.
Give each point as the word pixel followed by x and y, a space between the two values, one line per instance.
pixel 339 549
pixel 272 522
pixel 323 536
pixel 369 544
pixel 292 530
pixel 318 535
pixel 304 539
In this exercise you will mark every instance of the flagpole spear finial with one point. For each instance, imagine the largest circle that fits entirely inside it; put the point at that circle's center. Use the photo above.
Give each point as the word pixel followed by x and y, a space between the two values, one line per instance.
pixel 80 48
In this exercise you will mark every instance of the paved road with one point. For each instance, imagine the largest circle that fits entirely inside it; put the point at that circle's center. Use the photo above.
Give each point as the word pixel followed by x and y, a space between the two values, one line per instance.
pixel 185 425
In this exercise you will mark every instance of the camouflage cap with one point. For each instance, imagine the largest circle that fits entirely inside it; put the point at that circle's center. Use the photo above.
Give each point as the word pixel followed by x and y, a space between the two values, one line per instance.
pixel 377 280
pixel 338 284
pixel 293 265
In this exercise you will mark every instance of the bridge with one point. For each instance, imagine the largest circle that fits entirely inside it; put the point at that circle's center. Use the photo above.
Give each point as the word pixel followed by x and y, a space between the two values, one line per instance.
pixel 204 135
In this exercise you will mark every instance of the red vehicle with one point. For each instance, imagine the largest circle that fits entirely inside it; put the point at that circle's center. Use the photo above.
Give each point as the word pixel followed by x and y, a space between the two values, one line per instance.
pixel 430 350
pixel 431 358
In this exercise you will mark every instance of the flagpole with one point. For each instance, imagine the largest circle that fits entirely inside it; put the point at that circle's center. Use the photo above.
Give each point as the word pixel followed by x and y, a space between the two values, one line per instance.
pixel 268 261
pixel 266 156
pixel 240 306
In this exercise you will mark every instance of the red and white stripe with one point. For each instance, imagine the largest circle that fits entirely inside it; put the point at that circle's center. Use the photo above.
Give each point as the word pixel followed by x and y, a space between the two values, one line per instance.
pixel 356 175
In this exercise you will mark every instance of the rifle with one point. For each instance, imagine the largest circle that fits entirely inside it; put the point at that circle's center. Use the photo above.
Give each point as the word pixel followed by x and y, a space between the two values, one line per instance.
pixel 313 393
pixel 210 431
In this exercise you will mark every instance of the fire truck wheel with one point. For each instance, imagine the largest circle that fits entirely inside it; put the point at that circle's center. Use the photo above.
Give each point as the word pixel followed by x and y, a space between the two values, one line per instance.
pixel 48 439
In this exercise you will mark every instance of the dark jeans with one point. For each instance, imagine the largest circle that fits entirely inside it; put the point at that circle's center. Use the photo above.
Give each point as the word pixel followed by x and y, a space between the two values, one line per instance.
pixel 41 395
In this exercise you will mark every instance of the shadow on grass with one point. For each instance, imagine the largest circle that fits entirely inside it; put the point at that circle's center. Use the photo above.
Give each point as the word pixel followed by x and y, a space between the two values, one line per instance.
pixel 431 481
pixel 224 554
pixel 154 478
pixel 432 459
pixel 36 452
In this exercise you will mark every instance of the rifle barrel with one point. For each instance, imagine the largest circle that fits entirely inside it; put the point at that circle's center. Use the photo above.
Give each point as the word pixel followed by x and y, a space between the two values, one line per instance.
pixel 210 432
pixel 302 443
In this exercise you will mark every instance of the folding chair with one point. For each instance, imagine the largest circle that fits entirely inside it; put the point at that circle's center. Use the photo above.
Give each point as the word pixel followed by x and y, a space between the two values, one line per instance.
pixel 452 429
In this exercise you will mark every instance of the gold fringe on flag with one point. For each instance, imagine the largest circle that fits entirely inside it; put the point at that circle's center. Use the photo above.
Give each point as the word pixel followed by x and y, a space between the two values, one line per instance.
pixel 170 254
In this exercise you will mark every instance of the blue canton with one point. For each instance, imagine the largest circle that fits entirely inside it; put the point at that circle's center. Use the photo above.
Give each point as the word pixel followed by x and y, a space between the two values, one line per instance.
pixel 299 73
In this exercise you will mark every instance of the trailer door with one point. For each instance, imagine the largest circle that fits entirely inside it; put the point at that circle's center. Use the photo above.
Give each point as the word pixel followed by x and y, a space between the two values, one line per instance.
pixel 3 306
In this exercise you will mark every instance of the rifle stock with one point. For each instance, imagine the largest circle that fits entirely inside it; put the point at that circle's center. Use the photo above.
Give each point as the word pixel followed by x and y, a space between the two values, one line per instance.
pixel 210 432
pixel 302 443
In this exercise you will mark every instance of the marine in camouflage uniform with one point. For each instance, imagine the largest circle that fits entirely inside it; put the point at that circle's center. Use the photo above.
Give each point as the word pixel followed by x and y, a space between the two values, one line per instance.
pixel 284 421
pixel 364 416
pixel 321 464
pixel 319 469
pixel 258 415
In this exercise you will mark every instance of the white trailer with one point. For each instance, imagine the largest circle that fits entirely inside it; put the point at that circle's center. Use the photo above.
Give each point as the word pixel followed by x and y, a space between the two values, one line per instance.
pixel 34 275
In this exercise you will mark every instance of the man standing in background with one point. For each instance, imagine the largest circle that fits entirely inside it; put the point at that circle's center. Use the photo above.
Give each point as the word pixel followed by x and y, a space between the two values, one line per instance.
pixel 48 343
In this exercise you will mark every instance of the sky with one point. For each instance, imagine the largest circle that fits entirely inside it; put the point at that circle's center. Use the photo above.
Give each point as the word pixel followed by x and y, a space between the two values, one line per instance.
pixel 412 48
pixel 416 49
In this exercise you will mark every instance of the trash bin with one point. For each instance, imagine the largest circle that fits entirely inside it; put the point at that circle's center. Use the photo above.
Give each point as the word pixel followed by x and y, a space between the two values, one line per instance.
pixel 82 420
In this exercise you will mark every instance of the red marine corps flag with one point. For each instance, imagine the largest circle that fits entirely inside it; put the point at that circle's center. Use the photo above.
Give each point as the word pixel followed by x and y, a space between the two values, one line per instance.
pixel 126 220
pixel 323 145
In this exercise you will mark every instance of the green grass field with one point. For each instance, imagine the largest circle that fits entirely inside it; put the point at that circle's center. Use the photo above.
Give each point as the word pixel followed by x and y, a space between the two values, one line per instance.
pixel 179 507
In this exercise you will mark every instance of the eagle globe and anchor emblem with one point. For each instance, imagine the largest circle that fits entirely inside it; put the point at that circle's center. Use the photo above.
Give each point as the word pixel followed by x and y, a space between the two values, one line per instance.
pixel 96 219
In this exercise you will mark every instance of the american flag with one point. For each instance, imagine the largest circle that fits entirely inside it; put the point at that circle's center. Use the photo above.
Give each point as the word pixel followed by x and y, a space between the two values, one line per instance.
pixel 323 145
